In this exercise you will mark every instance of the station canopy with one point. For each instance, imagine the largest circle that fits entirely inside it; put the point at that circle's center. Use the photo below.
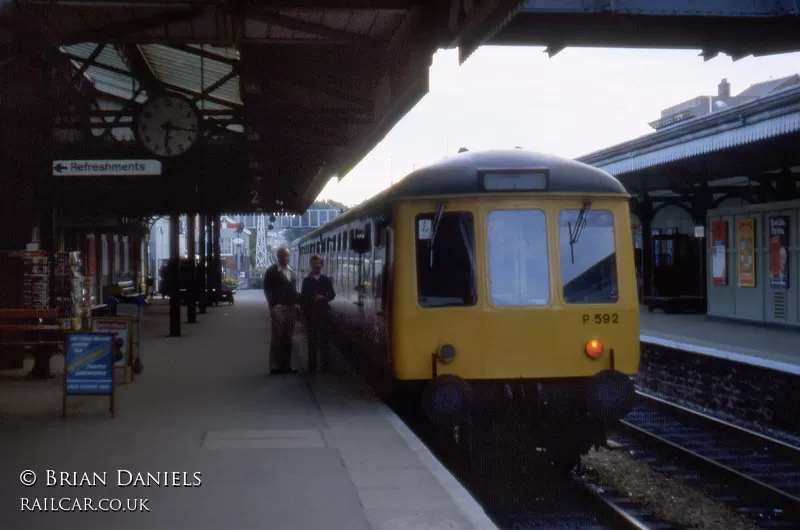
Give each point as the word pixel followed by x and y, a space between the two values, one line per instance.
pixel 292 93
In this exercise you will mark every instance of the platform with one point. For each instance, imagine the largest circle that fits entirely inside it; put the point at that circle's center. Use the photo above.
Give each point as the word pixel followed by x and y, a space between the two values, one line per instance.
pixel 772 348
pixel 289 452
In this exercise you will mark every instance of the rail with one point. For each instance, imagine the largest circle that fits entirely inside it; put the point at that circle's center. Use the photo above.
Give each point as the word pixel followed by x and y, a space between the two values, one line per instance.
pixel 761 466
pixel 623 512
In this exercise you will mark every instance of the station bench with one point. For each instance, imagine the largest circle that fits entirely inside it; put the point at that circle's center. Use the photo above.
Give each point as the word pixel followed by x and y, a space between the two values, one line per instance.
pixel 24 330
pixel 226 295
pixel 119 290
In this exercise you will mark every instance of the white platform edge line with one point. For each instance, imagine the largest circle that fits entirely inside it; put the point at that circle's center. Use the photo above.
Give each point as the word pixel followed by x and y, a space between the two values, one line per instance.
pixel 461 497
pixel 722 354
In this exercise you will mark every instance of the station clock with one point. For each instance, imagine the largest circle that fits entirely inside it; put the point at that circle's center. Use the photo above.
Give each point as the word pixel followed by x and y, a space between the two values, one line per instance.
pixel 168 125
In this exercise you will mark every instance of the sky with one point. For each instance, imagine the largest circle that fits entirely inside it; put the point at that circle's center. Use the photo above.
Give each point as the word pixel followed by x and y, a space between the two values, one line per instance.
pixel 581 100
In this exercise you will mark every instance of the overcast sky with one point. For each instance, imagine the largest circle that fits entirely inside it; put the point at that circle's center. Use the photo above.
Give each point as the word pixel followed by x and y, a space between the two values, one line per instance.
pixel 581 100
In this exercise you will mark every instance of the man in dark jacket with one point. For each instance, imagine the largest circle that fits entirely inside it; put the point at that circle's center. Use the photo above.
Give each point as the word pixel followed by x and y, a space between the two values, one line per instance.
pixel 281 294
pixel 316 292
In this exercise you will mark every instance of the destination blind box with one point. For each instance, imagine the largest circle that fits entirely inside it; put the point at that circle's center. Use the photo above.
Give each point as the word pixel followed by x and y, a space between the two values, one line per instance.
pixel 514 180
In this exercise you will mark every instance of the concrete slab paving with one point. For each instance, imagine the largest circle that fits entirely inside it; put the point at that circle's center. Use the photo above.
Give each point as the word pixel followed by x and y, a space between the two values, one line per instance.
pixel 277 452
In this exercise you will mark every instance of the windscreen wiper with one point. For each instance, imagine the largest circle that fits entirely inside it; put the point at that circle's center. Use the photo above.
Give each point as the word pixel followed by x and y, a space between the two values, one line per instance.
pixel 437 220
pixel 580 224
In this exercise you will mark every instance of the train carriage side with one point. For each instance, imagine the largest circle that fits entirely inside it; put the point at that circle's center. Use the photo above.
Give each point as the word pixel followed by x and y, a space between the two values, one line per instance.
pixel 356 249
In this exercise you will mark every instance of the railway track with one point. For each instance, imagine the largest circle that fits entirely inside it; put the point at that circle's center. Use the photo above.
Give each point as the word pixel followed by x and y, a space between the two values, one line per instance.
pixel 580 503
pixel 525 500
pixel 621 512
pixel 758 476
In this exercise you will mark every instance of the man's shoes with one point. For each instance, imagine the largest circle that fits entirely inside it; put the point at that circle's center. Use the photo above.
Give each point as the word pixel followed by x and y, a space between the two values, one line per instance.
pixel 283 371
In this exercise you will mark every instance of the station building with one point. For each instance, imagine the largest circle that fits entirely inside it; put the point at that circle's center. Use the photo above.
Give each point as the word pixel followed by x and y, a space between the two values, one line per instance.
pixel 714 208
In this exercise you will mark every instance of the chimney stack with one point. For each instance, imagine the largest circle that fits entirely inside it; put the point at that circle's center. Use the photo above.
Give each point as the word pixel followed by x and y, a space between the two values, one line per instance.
pixel 724 89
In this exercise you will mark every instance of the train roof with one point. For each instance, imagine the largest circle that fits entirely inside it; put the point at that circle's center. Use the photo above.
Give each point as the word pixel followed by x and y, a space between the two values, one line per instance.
pixel 458 175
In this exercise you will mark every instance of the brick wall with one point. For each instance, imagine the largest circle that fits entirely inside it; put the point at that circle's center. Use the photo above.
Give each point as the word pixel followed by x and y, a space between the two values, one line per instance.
pixel 728 389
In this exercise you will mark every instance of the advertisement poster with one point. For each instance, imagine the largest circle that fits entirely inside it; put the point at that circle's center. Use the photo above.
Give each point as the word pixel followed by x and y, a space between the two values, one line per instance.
pixel 719 247
pixel 120 328
pixel 89 366
pixel 746 244
pixel 779 252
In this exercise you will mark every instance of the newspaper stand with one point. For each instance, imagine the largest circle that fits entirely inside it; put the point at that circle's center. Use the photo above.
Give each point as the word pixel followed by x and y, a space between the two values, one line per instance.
pixel 131 307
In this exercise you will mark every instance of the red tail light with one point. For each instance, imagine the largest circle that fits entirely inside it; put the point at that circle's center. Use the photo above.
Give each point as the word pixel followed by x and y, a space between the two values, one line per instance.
pixel 594 348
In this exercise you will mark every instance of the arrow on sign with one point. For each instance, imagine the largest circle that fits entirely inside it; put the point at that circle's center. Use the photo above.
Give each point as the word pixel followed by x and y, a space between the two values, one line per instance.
pixel 59 167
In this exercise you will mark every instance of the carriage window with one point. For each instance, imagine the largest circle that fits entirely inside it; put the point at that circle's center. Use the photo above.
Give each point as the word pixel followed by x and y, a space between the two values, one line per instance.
pixel 519 271
pixel 446 260
pixel 380 235
pixel 589 264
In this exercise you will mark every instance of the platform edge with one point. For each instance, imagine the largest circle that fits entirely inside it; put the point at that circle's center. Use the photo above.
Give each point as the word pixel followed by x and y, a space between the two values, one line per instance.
pixel 466 503
pixel 723 354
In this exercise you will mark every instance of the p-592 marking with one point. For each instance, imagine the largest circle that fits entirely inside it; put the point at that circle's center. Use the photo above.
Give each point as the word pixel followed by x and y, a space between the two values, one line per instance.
pixel 601 318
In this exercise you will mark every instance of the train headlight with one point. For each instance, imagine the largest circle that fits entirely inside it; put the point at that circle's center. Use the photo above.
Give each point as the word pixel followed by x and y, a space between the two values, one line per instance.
pixel 594 348
pixel 446 353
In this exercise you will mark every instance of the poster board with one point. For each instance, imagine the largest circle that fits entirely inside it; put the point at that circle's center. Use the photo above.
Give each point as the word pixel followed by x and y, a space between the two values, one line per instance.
pixel 719 252
pixel 134 313
pixel 779 251
pixel 746 246
pixel 88 367
pixel 120 328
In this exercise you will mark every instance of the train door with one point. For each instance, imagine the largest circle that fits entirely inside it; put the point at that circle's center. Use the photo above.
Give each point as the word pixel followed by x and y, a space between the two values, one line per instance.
pixel 384 310
pixel 360 252
pixel 296 263
pixel 376 267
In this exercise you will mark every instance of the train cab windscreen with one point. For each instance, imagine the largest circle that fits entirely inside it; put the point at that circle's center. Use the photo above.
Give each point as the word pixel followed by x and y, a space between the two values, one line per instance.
pixel 446 274
pixel 588 256
pixel 519 272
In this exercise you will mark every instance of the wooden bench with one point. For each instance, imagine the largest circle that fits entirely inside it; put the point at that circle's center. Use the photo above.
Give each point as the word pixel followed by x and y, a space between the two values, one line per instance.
pixel 23 330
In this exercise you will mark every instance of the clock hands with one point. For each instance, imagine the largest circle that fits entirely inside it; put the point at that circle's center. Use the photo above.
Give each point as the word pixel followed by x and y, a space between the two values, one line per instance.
pixel 167 128
pixel 173 116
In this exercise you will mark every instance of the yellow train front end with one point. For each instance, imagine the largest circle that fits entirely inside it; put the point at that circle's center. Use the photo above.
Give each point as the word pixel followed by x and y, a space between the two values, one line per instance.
pixel 528 298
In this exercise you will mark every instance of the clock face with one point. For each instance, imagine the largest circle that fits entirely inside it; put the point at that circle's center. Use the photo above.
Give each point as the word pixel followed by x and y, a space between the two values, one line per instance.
pixel 168 125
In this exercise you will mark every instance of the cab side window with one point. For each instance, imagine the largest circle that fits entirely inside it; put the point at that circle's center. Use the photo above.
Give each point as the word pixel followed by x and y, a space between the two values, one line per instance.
pixel 446 265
